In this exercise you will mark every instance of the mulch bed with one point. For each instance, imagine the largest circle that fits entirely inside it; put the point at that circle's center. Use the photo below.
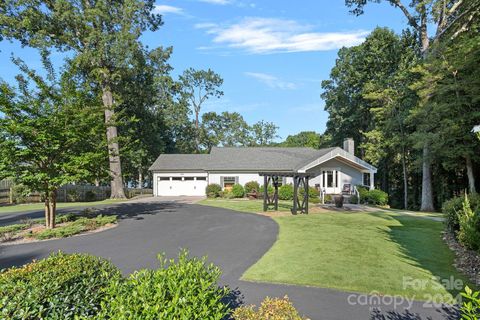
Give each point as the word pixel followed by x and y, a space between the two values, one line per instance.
pixel 467 261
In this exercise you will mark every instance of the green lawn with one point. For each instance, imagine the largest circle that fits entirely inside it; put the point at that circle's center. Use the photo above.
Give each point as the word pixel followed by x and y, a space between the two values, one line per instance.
pixel 362 252
pixel 40 206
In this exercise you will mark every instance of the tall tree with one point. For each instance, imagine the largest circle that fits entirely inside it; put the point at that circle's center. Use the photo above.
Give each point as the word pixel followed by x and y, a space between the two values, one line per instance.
pixel 227 129
pixel 103 35
pixel 450 17
pixel 198 86
pixel 310 139
pixel 263 133
pixel 48 134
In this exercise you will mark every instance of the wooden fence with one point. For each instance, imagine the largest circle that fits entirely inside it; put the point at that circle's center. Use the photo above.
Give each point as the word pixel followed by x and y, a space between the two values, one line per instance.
pixel 67 193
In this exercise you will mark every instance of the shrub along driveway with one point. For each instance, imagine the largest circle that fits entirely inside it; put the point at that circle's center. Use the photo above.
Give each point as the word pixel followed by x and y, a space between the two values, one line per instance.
pixel 232 240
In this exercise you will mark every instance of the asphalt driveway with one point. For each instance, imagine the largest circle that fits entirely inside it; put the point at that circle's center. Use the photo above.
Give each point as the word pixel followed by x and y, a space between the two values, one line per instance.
pixel 234 241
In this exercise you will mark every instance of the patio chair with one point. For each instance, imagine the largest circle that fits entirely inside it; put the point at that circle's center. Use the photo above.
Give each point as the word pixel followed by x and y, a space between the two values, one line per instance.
pixel 347 189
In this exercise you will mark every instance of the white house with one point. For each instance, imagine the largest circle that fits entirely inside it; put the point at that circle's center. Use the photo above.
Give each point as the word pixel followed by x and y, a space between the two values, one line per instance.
pixel 188 174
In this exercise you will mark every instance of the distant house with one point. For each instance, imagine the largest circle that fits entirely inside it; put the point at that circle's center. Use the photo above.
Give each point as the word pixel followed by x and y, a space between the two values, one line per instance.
pixel 189 174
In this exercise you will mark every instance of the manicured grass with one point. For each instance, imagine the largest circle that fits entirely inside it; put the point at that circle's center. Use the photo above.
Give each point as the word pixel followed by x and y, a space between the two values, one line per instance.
pixel 244 205
pixel 362 252
pixel 40 206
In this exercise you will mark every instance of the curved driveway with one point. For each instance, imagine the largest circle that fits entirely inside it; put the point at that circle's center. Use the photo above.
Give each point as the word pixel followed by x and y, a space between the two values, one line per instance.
pixel 234 241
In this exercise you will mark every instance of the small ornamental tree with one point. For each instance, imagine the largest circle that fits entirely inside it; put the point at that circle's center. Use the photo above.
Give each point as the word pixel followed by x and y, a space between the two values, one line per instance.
pixel 49 135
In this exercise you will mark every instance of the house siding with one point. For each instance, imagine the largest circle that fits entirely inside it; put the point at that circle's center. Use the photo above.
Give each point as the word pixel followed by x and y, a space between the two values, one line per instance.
pixel 348 174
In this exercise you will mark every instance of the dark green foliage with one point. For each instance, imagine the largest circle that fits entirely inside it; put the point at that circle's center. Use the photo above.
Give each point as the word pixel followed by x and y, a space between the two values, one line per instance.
pixel 238 191
pixel 20 193
pixel 252 186
pixel 310 139
pixel 285 192
pixel 452 207
pixel 60 287
pixel 354 199
pixel 182 289
pixel 213 190
pixel 90 196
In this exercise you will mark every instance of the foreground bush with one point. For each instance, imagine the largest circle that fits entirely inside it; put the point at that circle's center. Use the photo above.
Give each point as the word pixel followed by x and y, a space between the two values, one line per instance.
pixel 59 287
pixel 237 191
pixel 469 233
pixel 252 186
pixel 451 207
pixel 183 289
pixel 270 309
pixel 471 305
pixel 213 190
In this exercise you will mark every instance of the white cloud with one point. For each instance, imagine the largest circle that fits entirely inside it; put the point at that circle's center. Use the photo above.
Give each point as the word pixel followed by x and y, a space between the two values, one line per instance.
pixel 266 35
pixel 272 81
pixel 164 9
pixel 221 2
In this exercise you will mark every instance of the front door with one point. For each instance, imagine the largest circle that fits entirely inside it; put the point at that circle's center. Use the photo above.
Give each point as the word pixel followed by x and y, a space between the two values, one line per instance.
pixel 331 181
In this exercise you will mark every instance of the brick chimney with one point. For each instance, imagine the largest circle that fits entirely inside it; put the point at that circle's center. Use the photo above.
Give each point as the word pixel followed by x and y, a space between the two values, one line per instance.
pixel 349 145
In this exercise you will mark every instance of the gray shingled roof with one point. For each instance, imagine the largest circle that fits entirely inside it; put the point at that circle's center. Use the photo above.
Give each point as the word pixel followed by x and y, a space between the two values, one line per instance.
pixel 239 158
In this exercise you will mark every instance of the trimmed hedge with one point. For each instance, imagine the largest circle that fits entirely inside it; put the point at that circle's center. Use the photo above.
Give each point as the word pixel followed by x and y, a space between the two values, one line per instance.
pixel 213 190
pixel 237 191
pixel 374 197
pixel 252 186
pixel 377 197
pixel 61 286
pixel 183 289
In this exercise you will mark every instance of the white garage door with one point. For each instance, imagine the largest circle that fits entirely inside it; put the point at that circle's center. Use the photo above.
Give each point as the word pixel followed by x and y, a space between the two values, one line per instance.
pixel 181 186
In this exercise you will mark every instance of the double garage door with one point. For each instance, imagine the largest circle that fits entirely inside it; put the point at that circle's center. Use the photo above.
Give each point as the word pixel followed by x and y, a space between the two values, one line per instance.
pixel 181 186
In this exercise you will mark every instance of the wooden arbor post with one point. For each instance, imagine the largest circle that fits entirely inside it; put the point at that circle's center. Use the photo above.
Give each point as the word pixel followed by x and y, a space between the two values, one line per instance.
pixel 267 200
pixel 300 182
pixel 300 206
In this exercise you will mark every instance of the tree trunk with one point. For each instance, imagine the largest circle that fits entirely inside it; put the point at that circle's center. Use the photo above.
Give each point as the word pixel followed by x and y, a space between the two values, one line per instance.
pixel 427 196
pixel 140 178
pixel 405 179
pixel 197 133
pixel 53 209
pixel 47 211
pixel 471 177
pixel 113 147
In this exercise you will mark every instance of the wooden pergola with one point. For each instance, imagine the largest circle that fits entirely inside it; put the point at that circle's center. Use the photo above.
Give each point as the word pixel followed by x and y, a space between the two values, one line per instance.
pixel 300 202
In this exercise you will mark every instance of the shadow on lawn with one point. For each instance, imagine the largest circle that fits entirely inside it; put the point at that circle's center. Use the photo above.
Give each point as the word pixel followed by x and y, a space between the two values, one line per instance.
pixel 419 241
pixel 123 210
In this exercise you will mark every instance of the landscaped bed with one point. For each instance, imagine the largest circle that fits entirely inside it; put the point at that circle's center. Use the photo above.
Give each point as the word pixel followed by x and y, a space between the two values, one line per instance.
pixel 67 225
pixel 371 252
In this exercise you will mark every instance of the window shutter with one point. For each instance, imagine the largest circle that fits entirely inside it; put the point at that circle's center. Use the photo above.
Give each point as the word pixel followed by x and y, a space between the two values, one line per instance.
pixel 221 181
pixel 236 180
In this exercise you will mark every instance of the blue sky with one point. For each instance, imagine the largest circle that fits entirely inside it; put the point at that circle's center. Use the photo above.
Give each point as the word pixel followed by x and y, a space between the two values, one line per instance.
pixel 272 55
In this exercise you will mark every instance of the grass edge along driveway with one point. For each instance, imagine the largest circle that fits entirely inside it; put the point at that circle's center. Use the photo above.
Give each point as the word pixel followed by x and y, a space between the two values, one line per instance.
pixel 60 205
pixel 368 252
